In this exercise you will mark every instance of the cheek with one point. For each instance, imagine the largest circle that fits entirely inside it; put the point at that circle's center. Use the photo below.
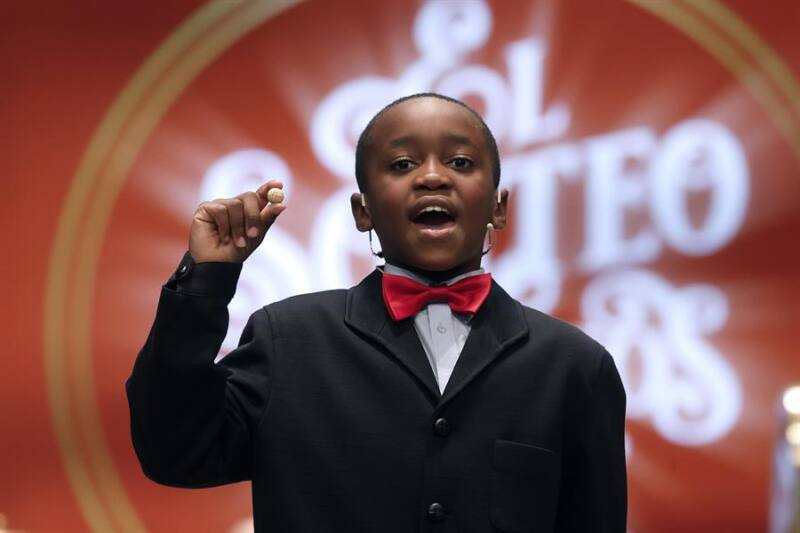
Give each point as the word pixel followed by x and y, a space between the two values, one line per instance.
pixel 390 222
pixel 477 226
pixel 479 212
pixel 393 217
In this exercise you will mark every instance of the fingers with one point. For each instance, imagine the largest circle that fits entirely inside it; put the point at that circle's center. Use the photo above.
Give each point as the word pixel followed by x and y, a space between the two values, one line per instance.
pixel 269 211
pixel 262 191
pixel 236 215
pixel 244 217
pixel 219 217
pixel 227 216
pixel 252 209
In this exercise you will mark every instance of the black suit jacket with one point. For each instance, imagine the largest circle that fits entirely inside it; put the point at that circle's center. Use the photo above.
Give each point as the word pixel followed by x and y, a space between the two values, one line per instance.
pixel 333 412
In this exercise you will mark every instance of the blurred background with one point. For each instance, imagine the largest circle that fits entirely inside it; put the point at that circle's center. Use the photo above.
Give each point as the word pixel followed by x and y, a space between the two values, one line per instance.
pixel 652 151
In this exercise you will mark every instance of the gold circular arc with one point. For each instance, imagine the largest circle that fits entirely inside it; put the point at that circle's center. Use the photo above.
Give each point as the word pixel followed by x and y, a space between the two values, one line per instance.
pixel 135 113
pixel 752 43
pixel 731 42
pixel 198 41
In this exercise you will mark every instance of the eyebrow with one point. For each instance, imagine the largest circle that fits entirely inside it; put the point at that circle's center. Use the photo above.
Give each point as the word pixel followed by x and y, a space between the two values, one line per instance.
pixel 401 141
pixel 454 138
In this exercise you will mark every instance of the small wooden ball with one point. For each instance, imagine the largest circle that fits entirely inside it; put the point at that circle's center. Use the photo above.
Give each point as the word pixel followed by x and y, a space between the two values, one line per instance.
pixel 275 196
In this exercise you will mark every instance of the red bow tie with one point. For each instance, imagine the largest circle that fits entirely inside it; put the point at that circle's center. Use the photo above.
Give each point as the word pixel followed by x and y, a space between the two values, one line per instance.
pixel 404 297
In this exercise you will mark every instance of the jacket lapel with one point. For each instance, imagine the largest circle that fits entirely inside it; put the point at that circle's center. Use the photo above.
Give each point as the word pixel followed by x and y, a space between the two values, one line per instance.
pixel 366 313
pixel 496 326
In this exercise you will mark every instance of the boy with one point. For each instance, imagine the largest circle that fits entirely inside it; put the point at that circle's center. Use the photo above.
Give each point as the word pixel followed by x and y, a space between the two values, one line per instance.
pixel 391 406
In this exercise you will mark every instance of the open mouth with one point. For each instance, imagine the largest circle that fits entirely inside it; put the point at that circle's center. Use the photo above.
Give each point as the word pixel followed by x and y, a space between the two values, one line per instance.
pixel 434 221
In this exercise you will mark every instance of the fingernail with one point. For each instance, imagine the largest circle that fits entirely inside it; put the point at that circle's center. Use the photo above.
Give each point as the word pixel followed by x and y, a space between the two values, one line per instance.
pixel 240 242
pixel 252 231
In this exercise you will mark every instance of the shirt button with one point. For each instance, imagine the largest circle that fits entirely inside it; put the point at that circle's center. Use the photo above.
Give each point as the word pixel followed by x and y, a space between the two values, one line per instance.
pixel 436 512
pixel 441 427
pixel 440 328
pixel 183 269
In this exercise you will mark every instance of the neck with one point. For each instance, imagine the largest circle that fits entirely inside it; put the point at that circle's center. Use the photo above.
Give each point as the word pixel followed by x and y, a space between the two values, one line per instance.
pixel 438 276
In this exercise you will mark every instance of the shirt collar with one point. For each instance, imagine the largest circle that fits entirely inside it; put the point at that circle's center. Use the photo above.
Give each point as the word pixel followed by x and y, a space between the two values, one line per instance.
pixel 389 268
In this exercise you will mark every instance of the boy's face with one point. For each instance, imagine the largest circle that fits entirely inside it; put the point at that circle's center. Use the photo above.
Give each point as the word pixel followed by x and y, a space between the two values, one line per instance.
pixel 430 190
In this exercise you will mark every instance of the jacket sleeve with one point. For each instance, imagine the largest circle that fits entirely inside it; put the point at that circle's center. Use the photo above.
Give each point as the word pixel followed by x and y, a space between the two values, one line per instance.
pixel 192 420
pixel 593 495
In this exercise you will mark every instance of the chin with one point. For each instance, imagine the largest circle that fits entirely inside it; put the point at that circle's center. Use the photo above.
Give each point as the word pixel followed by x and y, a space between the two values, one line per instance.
pixel 443 262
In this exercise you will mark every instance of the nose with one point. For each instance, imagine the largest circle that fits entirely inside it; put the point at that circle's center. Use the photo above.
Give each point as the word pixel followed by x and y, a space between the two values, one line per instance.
pixel 432 177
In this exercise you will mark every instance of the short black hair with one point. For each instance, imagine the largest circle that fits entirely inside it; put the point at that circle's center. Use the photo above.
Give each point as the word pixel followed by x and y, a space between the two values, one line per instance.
pixel 364 140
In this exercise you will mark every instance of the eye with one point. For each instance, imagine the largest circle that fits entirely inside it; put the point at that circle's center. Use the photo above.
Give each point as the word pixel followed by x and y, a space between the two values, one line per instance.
pixel 461 163
pixel 402 164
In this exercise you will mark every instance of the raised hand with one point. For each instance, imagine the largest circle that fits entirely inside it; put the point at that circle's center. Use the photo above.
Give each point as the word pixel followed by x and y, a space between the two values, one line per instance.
pixel 230 229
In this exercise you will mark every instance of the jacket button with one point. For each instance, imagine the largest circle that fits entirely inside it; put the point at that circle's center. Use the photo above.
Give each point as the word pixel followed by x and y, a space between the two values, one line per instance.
pixel 441 427
pixel 436 512
pixel 182 272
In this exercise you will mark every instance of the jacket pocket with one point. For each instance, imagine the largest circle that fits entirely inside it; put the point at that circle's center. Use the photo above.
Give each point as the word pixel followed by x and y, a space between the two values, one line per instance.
pixel 525 482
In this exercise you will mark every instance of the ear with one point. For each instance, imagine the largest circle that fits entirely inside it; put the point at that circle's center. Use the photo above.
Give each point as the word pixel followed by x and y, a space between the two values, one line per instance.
pixel 500 209
pixel 361 214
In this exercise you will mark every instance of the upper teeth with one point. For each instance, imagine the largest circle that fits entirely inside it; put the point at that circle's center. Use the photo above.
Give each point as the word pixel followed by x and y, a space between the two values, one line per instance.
pixel 434 208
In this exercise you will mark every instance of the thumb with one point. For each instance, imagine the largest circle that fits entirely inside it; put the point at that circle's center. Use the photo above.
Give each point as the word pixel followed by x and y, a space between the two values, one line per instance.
pixel 263 190
pixel 270 213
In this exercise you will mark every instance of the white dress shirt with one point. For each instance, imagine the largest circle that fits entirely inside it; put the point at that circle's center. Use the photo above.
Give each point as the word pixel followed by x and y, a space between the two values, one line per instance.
pixel 442 332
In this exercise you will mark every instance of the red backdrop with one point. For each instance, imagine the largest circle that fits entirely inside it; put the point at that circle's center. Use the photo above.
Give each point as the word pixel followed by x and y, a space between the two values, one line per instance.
pixel 651 149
